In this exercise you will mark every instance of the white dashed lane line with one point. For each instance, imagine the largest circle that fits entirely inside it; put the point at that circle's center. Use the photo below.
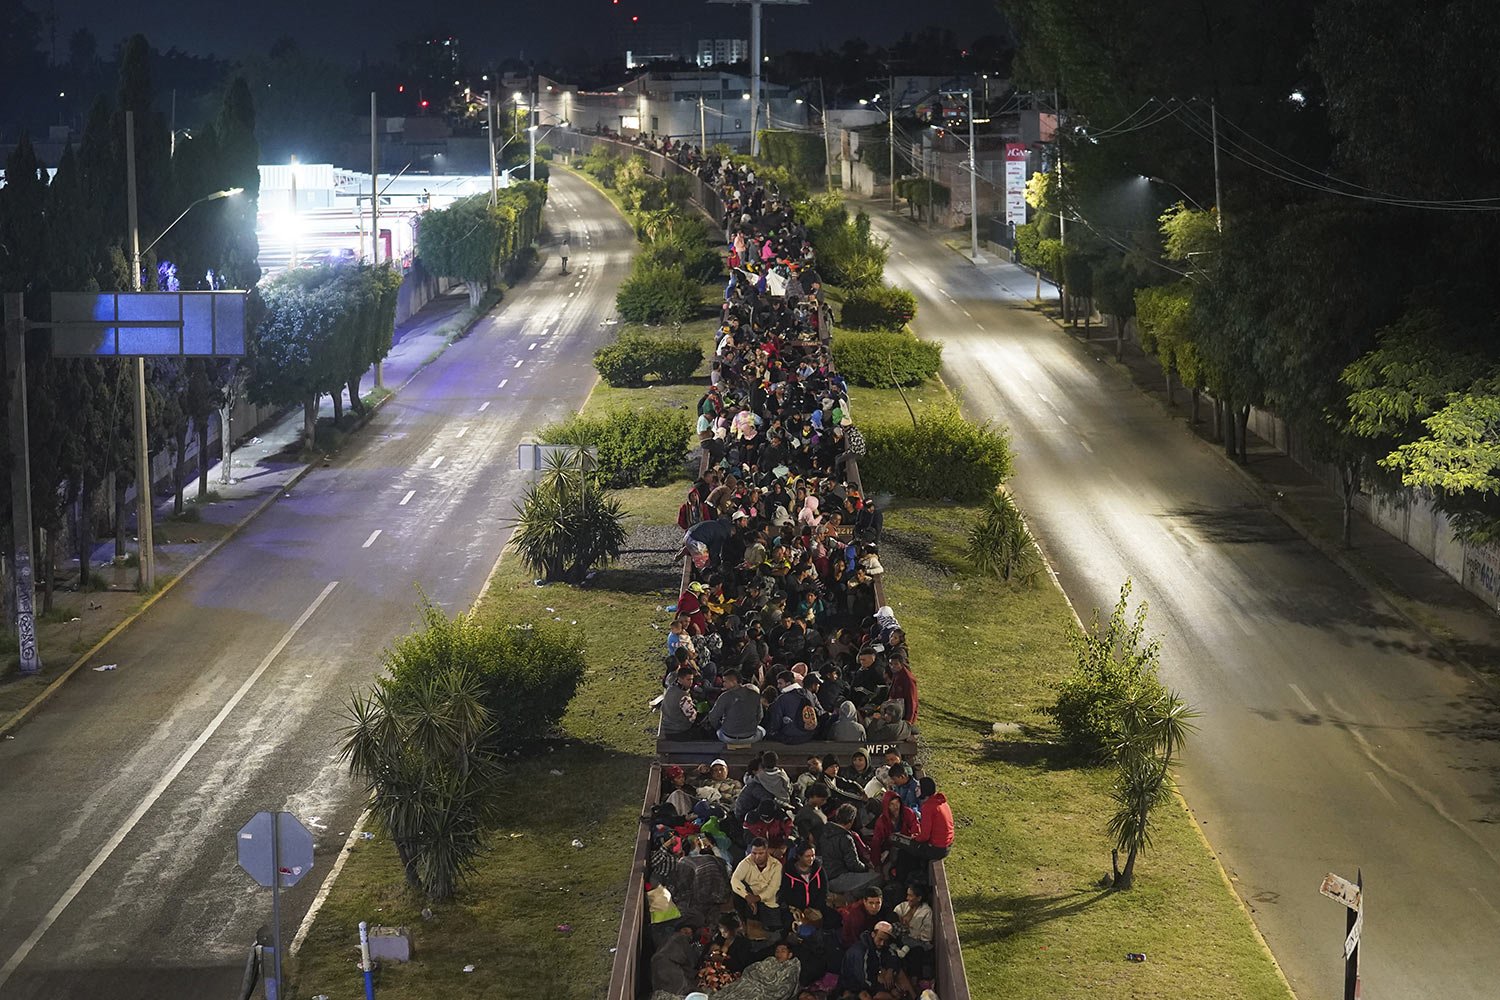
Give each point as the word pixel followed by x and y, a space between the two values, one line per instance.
pixel 502 383
pixel 533 343
pixel 371 540
pixel 438 462
pixel 407 499
pixel 520 362
pixel 462 431
pixel 486 405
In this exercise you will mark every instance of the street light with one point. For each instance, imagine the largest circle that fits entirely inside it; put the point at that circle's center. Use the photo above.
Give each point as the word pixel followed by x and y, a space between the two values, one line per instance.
pixel 217 195
pixel 1159 180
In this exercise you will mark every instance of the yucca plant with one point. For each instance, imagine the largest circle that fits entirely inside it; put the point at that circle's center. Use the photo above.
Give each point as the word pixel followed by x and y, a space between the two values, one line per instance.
pixel 566 523
pixel 1156 724
pixel 420 749
pixel 1001 544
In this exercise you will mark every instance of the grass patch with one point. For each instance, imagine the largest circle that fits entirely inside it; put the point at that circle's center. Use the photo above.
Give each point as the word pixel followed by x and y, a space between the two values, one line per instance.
pixel 531 881
pixel 1031 845
pixel 188 515
pixel 657 395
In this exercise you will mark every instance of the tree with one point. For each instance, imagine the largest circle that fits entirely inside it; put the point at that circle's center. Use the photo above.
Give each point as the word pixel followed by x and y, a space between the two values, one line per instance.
pixel 295 357
pixel 566 523
pixel 1156 725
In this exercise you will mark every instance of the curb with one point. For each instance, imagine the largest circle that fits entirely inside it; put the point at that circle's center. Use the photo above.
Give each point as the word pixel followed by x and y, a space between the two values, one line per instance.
pixel 30 708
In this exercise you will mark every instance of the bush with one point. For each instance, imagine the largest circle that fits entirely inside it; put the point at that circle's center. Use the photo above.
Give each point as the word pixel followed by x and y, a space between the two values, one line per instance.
pixel 886 360
pixel 1000 544
pixel 943 457
pixel 634 356
pixel 657 295
pixel 695 260
pixel 877 307
pixel 635 449
pixel 566 523
pixel 528 672
pixel 1116 666
pixel 848 254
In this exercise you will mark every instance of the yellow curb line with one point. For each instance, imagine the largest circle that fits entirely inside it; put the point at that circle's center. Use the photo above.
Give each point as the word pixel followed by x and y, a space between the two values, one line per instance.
pixel 26 711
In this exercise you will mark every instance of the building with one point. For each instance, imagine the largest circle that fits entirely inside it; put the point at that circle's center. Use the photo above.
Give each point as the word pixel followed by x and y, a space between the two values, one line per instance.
pixel 645 45
pixel 722 51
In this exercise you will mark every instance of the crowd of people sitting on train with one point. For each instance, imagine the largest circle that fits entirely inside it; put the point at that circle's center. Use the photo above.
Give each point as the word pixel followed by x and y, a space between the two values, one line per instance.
pixel 768 887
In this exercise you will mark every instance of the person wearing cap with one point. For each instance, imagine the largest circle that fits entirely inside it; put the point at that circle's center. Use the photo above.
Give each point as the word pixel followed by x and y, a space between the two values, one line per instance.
pixel 871 963
pixel 690 604
pixel 736 714
pixel 715 775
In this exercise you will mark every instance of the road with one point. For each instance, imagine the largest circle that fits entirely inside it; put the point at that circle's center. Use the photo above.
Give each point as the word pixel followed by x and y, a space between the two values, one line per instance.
pixel 123 795
pixel 1331 737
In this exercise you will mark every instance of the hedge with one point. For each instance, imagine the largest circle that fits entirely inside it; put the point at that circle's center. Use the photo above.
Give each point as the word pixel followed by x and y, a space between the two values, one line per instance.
pixel 877 307
pixel 886 360
pixel 632 357
pixel 695 260
pixel 655 294
pixel 636 448
pixel 943 457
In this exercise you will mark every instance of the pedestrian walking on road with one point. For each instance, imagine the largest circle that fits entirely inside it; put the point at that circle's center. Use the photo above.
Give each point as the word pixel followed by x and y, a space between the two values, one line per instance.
pixel 564 254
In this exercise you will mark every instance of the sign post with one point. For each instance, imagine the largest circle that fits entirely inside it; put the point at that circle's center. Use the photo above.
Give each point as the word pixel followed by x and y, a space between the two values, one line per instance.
pixel 276 850
pixel 1352 895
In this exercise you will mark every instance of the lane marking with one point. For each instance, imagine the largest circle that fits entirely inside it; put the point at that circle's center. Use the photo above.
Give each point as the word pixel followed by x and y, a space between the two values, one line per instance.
pixel 981 327
pixel 533 343
pixel 1024 375
pixel 438 462
pixel 407 499
pixel 462 431
pixel 486 404
pixel 1303 698
pixel 502 383
pixel 1383 791
pixel 157 791
pixel 371 540
pixel 519 362
pixel 1063 419
pixel 577 284
pixel 1086 446
pixel 965 312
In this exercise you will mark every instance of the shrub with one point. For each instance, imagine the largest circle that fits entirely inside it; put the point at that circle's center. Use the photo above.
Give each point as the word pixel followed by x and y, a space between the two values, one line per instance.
pixel 1001 545
pixel 886 360
pixel 634 356
pixel 877 307
pixel 695 260
pixel 635 449
pixel 1116 667
pixel 848 254
pixel 943 457
pixel 657 295
pixel 566 524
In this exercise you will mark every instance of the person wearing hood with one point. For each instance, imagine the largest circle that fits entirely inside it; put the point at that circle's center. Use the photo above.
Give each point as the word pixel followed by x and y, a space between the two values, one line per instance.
pixel 808 515
pixel 846 727
pixel 803 883
pixel 888 727
pixel 674 967
pixel 934 836
pixel 844 854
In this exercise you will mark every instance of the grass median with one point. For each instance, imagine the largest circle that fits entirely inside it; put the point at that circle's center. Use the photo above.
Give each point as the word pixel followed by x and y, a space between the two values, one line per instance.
pixel 585 785
pixel 1031 848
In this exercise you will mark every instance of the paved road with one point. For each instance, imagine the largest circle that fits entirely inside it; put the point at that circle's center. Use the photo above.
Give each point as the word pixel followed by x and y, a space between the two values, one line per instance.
pixel 117 870
pixel 1331 737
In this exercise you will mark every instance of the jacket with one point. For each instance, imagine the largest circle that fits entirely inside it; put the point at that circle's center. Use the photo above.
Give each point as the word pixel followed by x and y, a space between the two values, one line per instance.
pixel 784 721
pixel 936 826
pixel 805 889
pixel 919 931
pixel 838 849
pixel 677 710
pixel 904 687
pixel 847 728
pixel 764 882
pixel 863 962
pixel 907 825
pixel 737 712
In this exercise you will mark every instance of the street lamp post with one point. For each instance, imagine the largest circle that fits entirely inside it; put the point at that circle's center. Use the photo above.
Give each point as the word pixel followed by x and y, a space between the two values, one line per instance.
pixel 146 577
pixel 973 186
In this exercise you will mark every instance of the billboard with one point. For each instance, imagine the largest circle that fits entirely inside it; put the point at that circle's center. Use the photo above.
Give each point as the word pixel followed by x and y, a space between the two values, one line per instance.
pixel 150 324
pixel 1015 183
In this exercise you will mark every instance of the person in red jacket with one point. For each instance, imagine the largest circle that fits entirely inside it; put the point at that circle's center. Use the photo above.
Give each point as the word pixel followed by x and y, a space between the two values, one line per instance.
pixel 934 836
pixel 903 686
pixel 895 818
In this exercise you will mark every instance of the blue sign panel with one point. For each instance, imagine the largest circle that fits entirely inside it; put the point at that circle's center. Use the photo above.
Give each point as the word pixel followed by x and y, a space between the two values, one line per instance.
pixel 155 324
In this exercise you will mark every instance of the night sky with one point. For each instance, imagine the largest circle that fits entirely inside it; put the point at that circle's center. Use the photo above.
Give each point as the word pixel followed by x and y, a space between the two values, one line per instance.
pixel 345 30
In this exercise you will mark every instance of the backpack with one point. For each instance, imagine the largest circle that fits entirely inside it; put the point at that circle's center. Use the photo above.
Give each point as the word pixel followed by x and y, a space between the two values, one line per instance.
pixel 808 717
pixel 854 442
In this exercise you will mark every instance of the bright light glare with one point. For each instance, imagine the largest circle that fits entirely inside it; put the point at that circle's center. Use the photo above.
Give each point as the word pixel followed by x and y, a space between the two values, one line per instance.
pixel 1297 98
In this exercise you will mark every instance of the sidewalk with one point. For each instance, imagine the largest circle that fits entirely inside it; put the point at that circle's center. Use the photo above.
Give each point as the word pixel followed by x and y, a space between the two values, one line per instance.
pixel 1463 628
pixel 262 468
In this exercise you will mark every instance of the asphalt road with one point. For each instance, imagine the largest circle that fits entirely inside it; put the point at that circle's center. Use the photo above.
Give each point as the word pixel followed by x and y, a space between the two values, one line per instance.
pixel 1332 738
pixel 122 797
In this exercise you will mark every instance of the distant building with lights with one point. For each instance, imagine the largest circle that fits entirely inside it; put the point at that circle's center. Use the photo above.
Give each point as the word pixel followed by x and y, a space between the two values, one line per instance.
pixel 722 51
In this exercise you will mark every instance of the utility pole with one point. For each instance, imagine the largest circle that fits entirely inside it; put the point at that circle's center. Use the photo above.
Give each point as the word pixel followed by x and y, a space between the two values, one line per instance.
pixel 146 577
pixel 702 126
pixel 973 184
pixel 294 211
pixel 1213 113
pixel 375 216
pixel 20 485
pixel 489 101
pixel 531 122
pixel 755 60
pixel 823 110
pixel 1062 215
pixel 890 113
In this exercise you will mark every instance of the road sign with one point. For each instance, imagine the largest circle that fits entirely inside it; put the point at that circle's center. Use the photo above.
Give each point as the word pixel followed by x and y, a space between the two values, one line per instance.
pixel 1341 889
pixel 1352 941
pixel 150 324
pixel 537 457
pixel 268 843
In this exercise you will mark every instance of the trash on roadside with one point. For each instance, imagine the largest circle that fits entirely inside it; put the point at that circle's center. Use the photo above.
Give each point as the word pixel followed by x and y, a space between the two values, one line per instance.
pixel 105 666
pixel 552 611
pixel 564 928
pixel 579 843
pixel 557 772
pixel 469 968
pixel 517 836
pixel 1135 956
pixel 366 835
pixel 539 583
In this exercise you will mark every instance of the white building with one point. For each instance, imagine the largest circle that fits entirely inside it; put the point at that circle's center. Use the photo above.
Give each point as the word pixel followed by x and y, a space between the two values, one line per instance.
pixel 680 105
pixel 721 51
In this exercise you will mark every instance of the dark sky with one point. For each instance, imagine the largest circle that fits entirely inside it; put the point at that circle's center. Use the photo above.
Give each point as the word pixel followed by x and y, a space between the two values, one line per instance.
pixel 344 29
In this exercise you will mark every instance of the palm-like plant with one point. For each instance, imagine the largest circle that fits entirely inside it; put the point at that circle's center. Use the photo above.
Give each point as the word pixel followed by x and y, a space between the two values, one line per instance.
pixel 420 749
pixel 1001 544
pixel 566 523
pixel 1156 725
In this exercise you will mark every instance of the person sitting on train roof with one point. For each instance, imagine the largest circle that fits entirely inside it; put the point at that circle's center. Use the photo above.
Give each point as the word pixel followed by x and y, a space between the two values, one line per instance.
pixel 888 726
pixel 736 714
pixel 756 883
pixel 845 856
pixel 934 836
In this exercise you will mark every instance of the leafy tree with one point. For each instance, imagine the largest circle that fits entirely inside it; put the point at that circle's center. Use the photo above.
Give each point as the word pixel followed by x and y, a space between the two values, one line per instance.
pixel 295 357
pixel 566 524
pixel 1115 664
pixel 461 242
